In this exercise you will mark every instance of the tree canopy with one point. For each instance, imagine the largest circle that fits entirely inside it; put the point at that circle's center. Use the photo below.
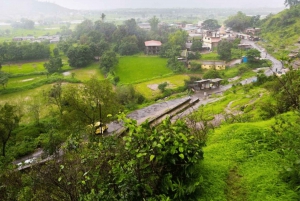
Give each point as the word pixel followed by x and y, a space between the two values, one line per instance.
pixel 108 61
pixel 9 120
pixel 210 24
pixel 54 64
pixel 224 50
pixel 80 56
pixel 239 22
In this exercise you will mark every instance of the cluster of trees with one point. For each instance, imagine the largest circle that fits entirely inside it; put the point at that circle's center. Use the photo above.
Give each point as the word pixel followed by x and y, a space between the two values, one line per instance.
pixel 23 24
pixel 23 51
pixel 291 3
pixel 226 48
pixel 241 21
pixel 3 77
pixel 55 63
pixel 210 24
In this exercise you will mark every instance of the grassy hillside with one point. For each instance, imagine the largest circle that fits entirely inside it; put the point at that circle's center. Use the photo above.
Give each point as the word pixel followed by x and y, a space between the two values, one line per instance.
pixel 247 157
pixel 282 31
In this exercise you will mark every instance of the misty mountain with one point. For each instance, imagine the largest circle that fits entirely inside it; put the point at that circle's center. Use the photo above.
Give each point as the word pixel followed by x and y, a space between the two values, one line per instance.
pixel 15 9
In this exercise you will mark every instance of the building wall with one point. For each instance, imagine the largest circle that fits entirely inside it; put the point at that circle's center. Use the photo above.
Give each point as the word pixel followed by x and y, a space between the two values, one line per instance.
pixel 207 66
pixel 152 50
pixel 213 66
pixel 220 67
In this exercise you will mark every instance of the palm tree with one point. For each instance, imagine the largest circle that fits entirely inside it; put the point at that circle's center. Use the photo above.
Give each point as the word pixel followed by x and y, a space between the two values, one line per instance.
pixel 103 16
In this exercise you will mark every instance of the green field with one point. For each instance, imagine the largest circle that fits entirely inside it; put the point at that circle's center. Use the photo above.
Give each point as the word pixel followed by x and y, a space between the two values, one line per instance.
pixel 24 80
pixel 24 68
pixel 39 31
pixel 88 72
pixel 173 81
pixel 210 56
pixel 134 69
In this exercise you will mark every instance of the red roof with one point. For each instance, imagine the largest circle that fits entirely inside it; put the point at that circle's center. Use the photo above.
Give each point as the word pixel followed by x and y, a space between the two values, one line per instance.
pixel 152 43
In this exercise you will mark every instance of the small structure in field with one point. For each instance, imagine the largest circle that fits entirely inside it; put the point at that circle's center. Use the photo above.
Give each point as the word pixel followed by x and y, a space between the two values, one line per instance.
pixel 206 84
pixel 152 47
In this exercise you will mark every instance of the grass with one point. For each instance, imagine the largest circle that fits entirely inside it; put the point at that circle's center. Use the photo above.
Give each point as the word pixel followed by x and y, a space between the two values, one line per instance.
pixel 38 31
pixel 238 147
pixel 86 73
pixel 24 80
pixel 174 82
pixel 24 68
pixel 210 56
pixel 134 69
pixel 238 164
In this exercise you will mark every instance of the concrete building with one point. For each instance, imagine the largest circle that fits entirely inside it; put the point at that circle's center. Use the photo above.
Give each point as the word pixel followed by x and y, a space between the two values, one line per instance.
pixel 217 65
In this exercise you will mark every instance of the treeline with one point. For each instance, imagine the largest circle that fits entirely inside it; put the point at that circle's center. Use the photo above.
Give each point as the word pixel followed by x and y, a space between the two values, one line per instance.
pixel 94 40
pixel 23 24
pixel 23 51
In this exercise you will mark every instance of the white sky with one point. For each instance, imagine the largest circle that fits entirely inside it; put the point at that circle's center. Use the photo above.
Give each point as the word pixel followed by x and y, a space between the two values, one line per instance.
pixel 112 4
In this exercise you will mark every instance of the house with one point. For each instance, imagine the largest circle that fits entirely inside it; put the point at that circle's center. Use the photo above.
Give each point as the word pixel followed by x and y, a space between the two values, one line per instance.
pixel 191 29
pixel 252 31
pixel 217 65
pixel 242 36
pixel 211 40
pixel 244 46
pixel 145 26
pixel 24 38
pixel 188 45
pixel 152 47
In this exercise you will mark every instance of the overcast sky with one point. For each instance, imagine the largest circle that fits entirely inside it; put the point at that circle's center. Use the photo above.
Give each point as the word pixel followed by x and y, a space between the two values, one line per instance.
pixel 112 4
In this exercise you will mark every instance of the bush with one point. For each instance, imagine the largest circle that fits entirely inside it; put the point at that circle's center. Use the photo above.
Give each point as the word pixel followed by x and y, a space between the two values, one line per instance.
pixel 162 86
pixel 211 74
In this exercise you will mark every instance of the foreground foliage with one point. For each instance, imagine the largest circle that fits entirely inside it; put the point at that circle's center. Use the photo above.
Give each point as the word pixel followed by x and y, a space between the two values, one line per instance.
pixel 159 163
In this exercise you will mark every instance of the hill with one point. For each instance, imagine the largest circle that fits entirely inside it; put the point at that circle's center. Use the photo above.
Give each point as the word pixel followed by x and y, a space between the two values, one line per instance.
pixel 30 9
pixel 282 31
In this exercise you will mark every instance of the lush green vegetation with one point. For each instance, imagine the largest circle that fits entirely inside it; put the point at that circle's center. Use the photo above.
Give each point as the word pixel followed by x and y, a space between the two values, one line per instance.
pixel 134 69
pixel 281 31
pixel 210 56
pixel 242 146
pixel 173 82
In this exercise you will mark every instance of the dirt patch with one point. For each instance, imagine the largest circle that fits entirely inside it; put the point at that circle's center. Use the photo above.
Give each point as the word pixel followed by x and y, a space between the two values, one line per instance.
pixel 27 80
pixel 233 79
pixel 153 87
pixel 235 190
pixel 66 73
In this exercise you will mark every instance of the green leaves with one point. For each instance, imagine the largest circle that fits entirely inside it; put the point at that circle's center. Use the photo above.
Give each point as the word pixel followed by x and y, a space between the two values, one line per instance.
pixel 152 157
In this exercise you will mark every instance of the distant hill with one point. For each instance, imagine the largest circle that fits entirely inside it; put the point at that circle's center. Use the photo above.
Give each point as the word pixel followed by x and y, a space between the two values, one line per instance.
pixel 282 31
pixel 14 9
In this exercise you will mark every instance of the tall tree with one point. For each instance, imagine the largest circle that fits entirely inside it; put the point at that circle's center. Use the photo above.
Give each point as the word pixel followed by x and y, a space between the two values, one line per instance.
pixel 9 121
pixel 54 64
pixel 154 23
pixel 224 50
pixel 3 78
pixel 103 17
pixel 91 102
pixel 80 56
pixel 239 22
pixel 211 24
pixel 252 55
pixel 108 61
